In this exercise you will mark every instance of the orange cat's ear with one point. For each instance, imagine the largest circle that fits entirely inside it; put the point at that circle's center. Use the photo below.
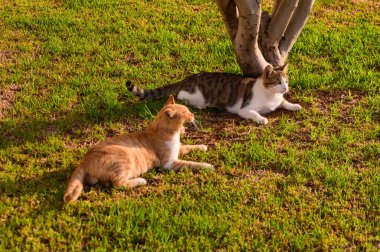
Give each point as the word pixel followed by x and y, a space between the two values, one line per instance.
pixel 170 100
pixel 268 71
pixel 170 113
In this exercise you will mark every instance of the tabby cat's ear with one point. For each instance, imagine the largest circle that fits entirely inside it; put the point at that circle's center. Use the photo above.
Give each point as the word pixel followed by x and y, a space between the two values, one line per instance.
pixel 268 71
pixel 283 68
pixel 170 113
pixel 170 100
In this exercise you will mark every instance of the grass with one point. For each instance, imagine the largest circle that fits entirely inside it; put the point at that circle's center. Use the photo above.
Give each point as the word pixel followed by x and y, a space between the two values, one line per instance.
pixel 306 181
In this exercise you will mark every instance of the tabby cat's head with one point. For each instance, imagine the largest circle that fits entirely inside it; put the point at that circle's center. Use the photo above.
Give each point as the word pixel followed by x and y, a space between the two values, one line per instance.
pixel 275 79
pixel 174 115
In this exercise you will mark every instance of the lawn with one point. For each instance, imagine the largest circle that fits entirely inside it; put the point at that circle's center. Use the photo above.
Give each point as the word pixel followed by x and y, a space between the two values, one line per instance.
pixel 307 180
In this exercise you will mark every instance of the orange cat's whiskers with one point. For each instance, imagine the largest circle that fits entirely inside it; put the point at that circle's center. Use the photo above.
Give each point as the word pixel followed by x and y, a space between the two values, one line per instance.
pixel 195 123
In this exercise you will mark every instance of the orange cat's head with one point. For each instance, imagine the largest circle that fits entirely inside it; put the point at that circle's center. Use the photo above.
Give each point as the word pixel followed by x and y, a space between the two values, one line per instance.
pixel 276 79
pixel 172 116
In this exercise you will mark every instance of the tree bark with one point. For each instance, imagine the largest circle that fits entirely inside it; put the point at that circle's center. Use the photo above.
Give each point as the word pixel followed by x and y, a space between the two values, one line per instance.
pixel 295 26
pixel 242 19
pixel 259 39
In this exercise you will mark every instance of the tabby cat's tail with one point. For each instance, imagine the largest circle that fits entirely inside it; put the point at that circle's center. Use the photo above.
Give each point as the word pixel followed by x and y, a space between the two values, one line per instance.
pixel 75 185
pixel 153 93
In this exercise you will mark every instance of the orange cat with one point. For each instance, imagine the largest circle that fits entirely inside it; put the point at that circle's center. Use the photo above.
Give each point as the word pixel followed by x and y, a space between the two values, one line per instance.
pixel 120 160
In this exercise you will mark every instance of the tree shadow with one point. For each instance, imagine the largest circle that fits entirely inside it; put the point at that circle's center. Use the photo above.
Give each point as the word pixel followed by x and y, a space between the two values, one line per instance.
pixel 45 190
pixel 44 193
pixel 18 132
pixel 49 187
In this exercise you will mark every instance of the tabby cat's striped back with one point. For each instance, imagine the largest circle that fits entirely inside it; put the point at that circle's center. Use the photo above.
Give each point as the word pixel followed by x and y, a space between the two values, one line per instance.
pixel 219 89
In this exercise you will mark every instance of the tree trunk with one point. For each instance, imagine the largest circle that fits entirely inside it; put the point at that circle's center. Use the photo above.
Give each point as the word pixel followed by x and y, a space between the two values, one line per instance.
pixel 258 38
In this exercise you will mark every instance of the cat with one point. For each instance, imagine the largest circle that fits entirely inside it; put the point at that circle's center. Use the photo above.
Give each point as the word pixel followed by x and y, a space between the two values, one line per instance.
pixel 121 159
pixel 248 97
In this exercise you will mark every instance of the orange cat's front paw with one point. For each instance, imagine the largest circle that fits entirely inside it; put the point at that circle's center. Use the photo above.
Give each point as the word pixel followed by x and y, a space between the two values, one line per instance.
pixel 203 147
pixel 207 166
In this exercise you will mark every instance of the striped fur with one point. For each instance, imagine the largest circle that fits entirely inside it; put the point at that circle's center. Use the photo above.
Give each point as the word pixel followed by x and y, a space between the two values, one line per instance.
pixel 121 160
pixel 246 96
pixel 220 90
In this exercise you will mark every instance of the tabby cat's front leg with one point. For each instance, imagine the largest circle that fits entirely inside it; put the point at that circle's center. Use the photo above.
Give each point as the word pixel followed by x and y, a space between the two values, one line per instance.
pixel 179 165
pixel 185 149
pixel 290 106
pixel 251 114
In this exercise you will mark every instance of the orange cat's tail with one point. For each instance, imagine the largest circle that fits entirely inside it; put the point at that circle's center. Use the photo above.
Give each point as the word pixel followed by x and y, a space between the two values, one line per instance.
pixel 75 185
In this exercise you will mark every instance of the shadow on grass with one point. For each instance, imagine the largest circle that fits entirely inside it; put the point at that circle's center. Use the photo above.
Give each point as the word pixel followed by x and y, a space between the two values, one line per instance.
pixel 43 192
pixel 50 185
pixel 17 132
pixel 47 190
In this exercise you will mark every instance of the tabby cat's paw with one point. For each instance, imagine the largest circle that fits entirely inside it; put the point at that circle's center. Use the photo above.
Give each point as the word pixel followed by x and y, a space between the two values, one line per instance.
pixel 262 120
pixel 296 107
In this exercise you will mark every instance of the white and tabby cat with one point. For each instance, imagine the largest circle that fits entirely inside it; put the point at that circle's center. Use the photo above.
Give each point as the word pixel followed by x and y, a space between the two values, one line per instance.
pixel 248 97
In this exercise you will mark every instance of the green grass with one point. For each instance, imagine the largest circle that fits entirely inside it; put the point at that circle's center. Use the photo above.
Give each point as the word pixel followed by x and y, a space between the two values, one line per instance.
pixel 306 181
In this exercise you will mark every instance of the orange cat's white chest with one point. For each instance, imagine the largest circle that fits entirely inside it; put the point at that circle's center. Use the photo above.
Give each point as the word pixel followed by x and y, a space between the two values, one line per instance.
pixel 173 148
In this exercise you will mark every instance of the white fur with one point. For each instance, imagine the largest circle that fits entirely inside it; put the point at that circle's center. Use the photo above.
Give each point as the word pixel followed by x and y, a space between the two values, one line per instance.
pixel 173 146
pixel 264 101
pixel 196 99
pixel 290 106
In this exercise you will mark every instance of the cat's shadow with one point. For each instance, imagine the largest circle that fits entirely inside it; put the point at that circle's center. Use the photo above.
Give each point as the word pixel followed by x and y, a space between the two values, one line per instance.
pixel 42 193
pixel 48 188
pixel 14 134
